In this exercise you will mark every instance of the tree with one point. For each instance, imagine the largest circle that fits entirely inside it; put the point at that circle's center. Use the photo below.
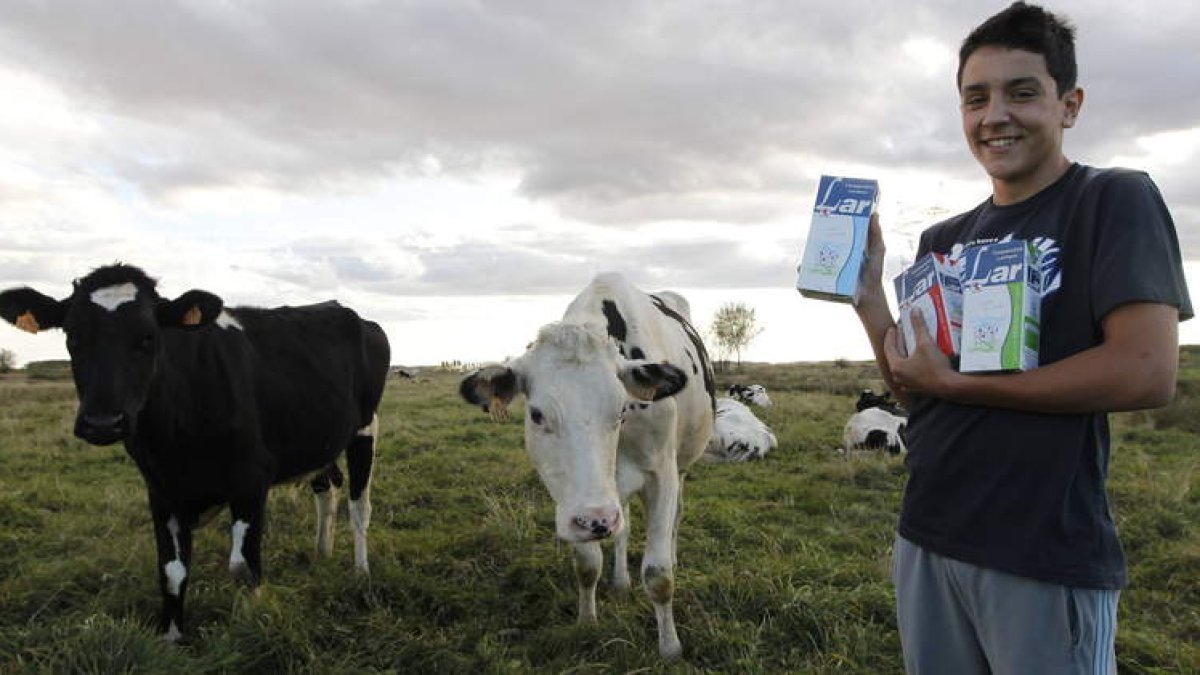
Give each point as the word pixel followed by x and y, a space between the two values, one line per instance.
pixel 733 327
pixel 8 360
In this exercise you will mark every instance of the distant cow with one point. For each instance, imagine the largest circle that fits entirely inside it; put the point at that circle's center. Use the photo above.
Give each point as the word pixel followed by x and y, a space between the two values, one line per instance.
pixel 738 435
pixel 215 405
pixel 619 401
pixel 754 394
pixel 878 425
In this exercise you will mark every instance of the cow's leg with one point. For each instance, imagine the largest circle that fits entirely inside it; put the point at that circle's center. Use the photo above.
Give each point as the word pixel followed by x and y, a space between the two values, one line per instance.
pixel 325 492
pixel 173 539
pixel 245 552
pixel 359 458
pixel 658 565
pixel 620 578
pixel 588 560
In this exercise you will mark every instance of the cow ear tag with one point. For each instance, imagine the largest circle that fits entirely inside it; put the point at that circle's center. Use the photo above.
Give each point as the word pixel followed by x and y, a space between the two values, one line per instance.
pixel 191 318
pixel 27 323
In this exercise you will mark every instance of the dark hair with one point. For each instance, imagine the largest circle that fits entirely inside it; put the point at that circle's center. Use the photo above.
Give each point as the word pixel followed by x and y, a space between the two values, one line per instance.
pixel 1029 28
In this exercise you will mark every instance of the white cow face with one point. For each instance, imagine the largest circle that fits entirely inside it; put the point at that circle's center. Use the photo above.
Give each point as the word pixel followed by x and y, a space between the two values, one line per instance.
pixel 577 387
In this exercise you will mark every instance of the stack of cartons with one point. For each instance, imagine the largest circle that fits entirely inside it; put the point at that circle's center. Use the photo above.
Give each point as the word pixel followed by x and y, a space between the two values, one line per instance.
pixel 837 239
pixel 984 307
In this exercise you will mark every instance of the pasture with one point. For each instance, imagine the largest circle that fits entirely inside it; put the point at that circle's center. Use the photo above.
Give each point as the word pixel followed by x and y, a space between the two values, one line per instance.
pixel 783 562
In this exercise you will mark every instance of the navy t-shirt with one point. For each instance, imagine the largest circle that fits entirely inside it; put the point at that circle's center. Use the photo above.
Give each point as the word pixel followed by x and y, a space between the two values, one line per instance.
pixel 1023 492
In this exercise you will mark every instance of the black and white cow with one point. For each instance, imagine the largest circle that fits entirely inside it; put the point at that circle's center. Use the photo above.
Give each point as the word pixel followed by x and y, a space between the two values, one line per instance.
pixel 738 435
pixel 619 401
pixel 753 394
pixel 878 425
pixel 215 405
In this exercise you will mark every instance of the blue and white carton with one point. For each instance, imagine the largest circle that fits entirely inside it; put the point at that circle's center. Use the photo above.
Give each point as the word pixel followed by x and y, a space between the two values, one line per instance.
pixel 1001 287
pixel 837 239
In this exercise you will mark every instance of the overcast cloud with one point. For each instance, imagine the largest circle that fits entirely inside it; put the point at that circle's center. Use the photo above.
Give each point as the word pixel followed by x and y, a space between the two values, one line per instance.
pixel 289 151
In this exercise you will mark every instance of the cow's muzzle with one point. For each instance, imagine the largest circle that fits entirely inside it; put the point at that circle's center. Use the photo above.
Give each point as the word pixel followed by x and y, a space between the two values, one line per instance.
pixel 596 524
pixel 102 429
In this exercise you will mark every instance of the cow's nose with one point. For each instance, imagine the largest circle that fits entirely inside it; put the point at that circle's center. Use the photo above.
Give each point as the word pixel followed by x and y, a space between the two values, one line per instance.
pixel 598 523
pixel 102 429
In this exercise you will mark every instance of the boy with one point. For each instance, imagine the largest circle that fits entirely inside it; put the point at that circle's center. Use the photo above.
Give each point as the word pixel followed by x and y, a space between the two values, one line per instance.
pixel 1006 558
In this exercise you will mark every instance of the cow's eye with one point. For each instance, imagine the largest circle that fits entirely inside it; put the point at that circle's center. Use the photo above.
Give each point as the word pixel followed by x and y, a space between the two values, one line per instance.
pixel 536 416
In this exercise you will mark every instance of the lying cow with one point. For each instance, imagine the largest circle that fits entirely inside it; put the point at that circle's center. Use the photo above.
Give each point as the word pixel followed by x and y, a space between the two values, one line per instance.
pixel 216 405
pixel 754 394
pixel 738 435
pixel 619 401
pixel 878 425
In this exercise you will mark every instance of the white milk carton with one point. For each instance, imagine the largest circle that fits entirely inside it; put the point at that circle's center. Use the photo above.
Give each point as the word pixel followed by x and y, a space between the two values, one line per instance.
pixel 1001 287
pixel 932 285
pixel 837 239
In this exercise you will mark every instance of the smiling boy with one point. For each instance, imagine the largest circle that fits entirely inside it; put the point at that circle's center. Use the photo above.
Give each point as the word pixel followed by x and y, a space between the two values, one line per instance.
pixel 1006 558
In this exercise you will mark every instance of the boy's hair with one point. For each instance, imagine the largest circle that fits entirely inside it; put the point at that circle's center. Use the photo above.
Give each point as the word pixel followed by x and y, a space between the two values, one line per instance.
pixel 1029 28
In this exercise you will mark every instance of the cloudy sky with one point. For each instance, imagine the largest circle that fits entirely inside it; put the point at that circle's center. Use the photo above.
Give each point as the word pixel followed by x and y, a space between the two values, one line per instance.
pixel 458 169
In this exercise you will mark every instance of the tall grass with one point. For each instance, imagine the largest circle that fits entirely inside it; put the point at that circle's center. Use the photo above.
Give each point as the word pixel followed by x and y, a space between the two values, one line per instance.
pixel 782 562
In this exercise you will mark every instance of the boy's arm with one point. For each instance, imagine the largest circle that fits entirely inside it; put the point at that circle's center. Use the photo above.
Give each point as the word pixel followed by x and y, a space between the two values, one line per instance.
pixel 1134 367
pixel 872 307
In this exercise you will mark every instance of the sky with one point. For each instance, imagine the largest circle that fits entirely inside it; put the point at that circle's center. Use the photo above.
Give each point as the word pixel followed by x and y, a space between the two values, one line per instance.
pixel 458 170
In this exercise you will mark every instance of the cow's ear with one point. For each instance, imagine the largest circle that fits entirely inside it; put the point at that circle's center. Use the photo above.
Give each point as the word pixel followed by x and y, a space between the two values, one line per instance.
pixel 194 308
pixel 32 311
pixel 651 381
pixel 491 388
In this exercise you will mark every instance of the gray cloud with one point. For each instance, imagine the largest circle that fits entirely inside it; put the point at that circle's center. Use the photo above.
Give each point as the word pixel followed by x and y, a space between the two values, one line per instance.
pixel 618 114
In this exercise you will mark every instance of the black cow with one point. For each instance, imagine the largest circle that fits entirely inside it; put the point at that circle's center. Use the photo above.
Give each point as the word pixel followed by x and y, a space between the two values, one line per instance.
pixel 215 406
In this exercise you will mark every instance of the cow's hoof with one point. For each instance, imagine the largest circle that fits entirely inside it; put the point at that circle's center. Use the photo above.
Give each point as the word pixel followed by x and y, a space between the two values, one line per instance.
pixel 241 573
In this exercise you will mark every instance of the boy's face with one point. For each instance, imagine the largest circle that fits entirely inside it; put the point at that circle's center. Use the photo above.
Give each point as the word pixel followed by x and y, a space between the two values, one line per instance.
pixel 1013 119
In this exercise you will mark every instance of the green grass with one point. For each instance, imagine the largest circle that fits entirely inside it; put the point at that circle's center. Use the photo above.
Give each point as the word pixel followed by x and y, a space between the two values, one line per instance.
pixel 782 562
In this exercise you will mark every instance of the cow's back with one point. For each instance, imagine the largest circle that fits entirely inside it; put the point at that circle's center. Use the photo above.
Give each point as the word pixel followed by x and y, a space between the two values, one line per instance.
pixel 646 327
pixel 319 375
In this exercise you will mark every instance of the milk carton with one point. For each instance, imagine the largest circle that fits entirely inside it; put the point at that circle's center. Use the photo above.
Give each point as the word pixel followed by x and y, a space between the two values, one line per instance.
pixel 932 285
pixel 1001 287
pixel 837 239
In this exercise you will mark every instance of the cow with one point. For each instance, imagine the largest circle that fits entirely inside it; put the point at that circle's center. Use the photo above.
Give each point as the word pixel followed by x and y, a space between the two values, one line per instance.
pixel 738 435
pixel 215 405
pixel 878 425
pixel 619 400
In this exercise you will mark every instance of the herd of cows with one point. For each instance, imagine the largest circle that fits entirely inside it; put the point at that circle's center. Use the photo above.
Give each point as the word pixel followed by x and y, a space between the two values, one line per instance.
pixel 216 404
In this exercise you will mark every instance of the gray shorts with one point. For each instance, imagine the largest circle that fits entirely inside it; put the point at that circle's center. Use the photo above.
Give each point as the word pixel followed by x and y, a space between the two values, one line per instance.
pixel 960 618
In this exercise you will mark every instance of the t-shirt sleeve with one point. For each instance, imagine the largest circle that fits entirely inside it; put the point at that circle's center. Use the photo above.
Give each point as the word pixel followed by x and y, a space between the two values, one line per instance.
pixel 1137 255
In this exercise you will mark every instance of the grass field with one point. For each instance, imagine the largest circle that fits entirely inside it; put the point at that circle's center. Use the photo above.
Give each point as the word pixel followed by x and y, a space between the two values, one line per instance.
pixel 783 563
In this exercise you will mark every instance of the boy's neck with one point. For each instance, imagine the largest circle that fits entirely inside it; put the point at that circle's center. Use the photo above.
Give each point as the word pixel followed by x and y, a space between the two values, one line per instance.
pixel 1005 193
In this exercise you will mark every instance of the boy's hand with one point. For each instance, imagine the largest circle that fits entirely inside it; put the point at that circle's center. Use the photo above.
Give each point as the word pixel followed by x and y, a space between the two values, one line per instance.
pixel 924 369
pixel 870 291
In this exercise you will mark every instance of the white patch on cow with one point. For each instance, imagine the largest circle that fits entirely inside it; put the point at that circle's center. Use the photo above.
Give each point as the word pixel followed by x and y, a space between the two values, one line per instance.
pixel 175 570
pixel 228 321
pixel 360 518
pixel 371 429
pixel 238 532
pixel 176 573
pixel 738 435
pixel 173 633
pixel 112 297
